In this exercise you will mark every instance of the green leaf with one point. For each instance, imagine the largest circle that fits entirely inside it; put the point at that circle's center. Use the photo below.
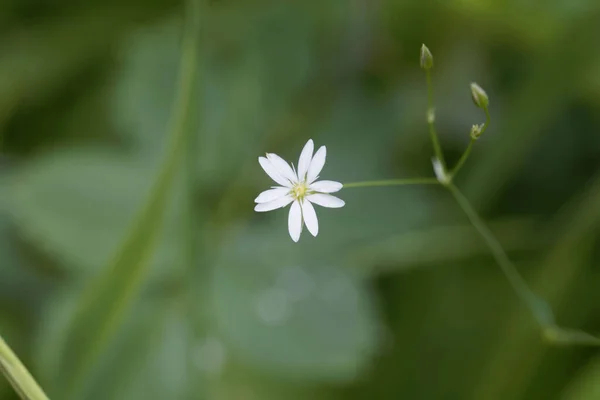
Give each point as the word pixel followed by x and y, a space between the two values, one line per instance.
pixel 145 87
pixel 77 204
pixel 240 95
pixel 293 318
pixel 586 385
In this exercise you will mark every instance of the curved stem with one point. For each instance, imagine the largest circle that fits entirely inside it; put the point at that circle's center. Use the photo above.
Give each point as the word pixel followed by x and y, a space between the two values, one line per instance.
pixel 392 182
pixel 16 373
pixel 195 10
pixel 467 152
pixel 463 158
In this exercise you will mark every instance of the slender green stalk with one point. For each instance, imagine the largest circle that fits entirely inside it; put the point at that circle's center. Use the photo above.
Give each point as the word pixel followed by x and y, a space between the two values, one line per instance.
pixel 101 311
pixel 474 138
pixel 538 307
pixel 487 121
pixel 392 182
pixel 431 120
pixel 18 376
pixel 190 216
pixel 462 159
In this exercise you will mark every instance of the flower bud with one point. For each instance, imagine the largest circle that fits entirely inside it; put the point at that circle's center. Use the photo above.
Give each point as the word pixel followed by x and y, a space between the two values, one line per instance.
pixel 479 96
pixel 476 131
pixel 426 58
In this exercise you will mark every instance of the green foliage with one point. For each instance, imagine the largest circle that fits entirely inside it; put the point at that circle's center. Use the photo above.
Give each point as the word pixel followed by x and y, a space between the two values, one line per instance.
pixel 313 323
pixel 119 280
pixel 77 204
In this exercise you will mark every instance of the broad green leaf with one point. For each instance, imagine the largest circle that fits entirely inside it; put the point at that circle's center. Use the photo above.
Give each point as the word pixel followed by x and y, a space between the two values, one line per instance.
pixel 76 206
pixel 292 317
pixel 229 103
pixel 240 96
pixel 145 87
pixel 21 286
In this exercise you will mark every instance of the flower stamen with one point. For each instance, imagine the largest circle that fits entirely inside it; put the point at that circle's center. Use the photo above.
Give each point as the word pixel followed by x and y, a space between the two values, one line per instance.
pixel 299 190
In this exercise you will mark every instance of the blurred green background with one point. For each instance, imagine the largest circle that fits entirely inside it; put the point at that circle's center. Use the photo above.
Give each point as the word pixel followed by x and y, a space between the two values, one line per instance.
pixel 397 297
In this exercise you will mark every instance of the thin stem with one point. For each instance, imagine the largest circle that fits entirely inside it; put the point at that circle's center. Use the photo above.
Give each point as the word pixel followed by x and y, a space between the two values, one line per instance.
pixel 487 121
pixel 190 152
pixel 467 152
pixel 19 377
pixel 137 249
pixel 463 158
pixel 195 10
pixel 538 307
pixel 431 121
pixel 392 182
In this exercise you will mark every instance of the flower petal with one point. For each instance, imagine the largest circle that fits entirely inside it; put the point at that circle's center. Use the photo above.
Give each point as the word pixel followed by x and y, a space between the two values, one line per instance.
pixel 326 186
pixel 305 157
pixel 310 217
pixel 273 173
pixel 325 200
pixel 271 194
pixel 283 167
pixel 274 204
pixel 316 164
pixel 295 221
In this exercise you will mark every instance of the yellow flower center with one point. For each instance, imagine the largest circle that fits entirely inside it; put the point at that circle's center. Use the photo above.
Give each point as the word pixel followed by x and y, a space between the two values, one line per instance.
pixel 299 191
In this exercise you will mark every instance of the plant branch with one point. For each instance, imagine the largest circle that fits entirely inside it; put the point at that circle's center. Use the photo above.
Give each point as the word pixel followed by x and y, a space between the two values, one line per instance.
pixel 18 376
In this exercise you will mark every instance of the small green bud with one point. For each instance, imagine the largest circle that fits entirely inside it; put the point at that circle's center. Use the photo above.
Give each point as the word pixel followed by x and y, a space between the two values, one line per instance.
pixel 480 98
pixel 476 131
pixel 426 58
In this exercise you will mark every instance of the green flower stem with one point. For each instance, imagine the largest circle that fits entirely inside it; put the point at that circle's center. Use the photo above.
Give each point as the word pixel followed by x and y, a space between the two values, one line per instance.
pixel 487 121
pixel 463 158
pixel 539 308
pixel 393 182
pixel 431 121
pixel 16 373
pixel 467 152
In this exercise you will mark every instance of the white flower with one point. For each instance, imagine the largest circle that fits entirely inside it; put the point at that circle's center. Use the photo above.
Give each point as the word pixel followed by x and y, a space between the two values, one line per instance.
pixel 300 188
